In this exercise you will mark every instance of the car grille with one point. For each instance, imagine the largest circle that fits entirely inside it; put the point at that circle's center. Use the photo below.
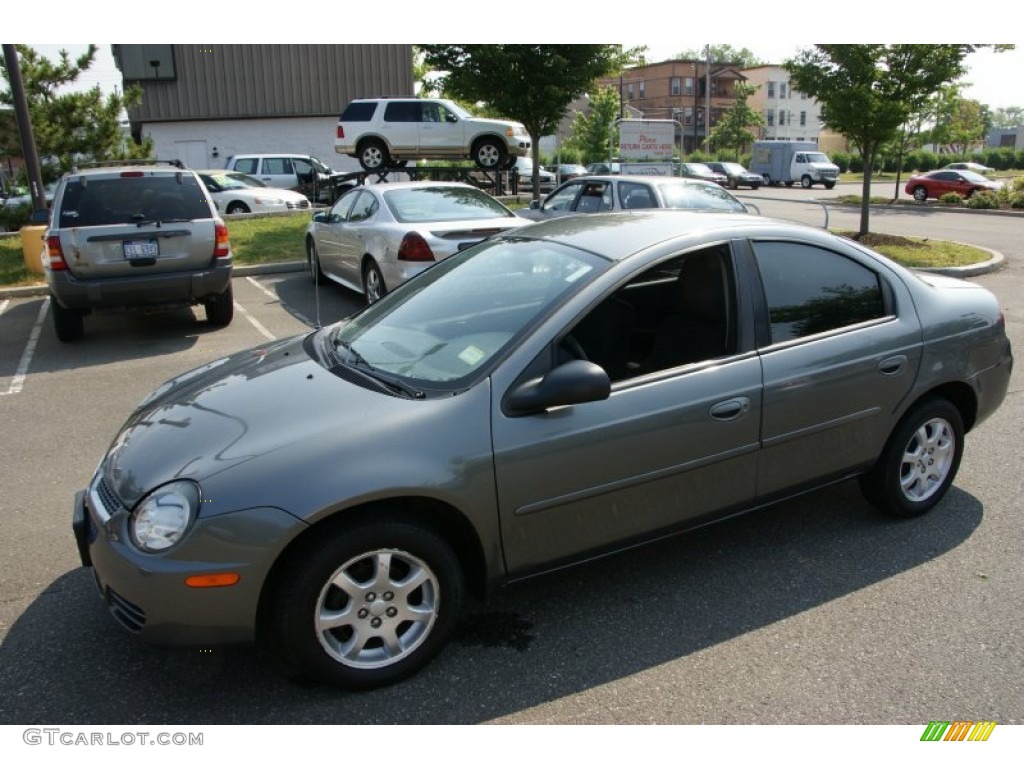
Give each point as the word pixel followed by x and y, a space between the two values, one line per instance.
pixel 292 205
pixel 105 494
pixel 125 613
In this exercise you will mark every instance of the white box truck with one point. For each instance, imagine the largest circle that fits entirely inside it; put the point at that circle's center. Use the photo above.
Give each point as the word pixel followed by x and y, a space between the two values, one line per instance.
pixel 788 162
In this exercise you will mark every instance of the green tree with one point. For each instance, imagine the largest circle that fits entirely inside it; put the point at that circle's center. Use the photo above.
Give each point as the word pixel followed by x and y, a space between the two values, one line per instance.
pixel 592 129
pixel 530 83
pixel 73 126
pixel 867 92
pixel 959 124
pixel 723 54
pixel 733 128
pixel 1008 117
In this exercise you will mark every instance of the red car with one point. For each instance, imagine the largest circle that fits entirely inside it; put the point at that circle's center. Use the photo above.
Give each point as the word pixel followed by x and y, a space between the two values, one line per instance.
pixel 937 183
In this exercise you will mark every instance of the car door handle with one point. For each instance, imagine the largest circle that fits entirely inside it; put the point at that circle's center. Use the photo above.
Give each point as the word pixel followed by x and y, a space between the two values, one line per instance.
pixel 892 364
pixel 730 409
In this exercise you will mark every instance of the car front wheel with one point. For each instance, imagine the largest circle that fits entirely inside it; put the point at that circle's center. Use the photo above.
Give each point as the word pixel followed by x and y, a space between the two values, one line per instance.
pixel 368 605
pixel 237 207
pixel 489 153
pixel 805 182
pixel 920 194
pixel 919 462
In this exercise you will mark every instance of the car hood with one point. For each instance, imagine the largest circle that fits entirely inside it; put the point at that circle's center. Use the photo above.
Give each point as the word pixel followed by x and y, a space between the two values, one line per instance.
pixel 234 410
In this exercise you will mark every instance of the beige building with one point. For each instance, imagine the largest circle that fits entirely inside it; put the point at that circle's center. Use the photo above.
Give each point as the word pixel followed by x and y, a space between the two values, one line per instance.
pixel 788 114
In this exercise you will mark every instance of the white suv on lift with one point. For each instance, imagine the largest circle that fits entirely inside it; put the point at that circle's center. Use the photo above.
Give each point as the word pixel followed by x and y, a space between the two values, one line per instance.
pixel 382 133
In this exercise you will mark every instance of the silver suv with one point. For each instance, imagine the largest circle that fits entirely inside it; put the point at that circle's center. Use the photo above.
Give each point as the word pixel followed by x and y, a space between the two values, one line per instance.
pixel 144 235
pixel 381 133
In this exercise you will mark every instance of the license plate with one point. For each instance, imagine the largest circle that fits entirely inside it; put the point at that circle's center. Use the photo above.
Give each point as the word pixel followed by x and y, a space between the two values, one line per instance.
pixel 140 249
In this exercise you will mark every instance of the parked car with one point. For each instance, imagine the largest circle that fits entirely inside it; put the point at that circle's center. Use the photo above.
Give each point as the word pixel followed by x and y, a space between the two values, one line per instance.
pixel 703 172
pixel 737 175
pixel 142 235
pixel 378 236
pixel 300 173
pixel 21 196
pixel 568 171
pixel 523 167
pixel 604 169
pixel 937 183
pixel 381 133
pixel 235 192
pixel 553 394
pixel 975 167
pixel 593 194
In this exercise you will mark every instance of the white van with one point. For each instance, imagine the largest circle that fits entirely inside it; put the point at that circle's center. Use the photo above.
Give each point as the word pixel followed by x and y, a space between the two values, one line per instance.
pixel 301 173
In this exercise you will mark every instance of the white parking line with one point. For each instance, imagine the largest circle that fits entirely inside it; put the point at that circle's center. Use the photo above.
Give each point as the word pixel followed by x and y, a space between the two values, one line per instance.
pixel 4 305
pixel 255 323
pixel 265 290
pixel 18 382
pixel 277 299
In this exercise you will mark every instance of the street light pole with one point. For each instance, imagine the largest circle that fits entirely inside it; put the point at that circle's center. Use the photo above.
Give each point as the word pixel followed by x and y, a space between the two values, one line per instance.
pixel 28 139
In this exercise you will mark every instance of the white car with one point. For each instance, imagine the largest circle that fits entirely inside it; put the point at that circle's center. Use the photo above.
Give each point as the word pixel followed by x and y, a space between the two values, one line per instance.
pixel 235 192
pixel 383 133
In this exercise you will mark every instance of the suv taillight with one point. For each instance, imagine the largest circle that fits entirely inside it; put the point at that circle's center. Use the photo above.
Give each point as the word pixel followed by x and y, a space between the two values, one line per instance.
pixel 222 248
pixel 55 253
pixel 341 131
pixel 414 248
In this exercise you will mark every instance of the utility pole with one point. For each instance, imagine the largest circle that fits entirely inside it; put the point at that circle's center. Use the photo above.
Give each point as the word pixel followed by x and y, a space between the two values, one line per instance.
pixel 707 95
pixel 28 140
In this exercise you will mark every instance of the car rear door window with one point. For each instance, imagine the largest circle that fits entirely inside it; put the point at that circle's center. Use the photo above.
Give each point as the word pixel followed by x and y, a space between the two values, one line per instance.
pixel 811 290
pixel 246 165
pixel 277 166
pixel 402 112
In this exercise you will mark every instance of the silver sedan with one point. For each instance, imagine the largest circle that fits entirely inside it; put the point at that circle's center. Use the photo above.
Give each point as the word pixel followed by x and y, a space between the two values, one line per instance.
pixel 376 237
pixel 551 395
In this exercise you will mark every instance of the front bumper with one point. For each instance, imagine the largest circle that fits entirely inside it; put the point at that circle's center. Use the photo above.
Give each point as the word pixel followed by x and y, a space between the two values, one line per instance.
pixel 146 593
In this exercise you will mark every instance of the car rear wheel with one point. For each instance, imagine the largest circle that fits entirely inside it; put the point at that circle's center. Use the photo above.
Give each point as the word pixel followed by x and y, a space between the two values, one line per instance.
pixel 367 606
pixel 237 207
pixel 313 261
pixel 68 323
pixel 919 462
pixel 373 282
pixel 920 194
pixel 489 153
pixel 373 155
pixel 221 308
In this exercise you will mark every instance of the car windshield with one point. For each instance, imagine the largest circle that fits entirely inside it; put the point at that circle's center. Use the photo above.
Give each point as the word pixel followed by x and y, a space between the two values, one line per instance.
pixel 698 168
pixel 456 109
pixel 733 168
pixel 421 204
pixel 320 167
pixel 977 178
pixel 817 157
pixel 700 197
pixel 224 181
pixel 444 326
pixel 243 179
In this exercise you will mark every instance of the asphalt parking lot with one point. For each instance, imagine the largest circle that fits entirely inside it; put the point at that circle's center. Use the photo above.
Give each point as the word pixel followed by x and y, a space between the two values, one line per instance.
pixel 813 611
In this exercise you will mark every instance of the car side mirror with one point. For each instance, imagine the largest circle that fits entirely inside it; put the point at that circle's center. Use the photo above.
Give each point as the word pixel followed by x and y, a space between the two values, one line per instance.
pixel 572 383
pixel 535 205
pixel 321 217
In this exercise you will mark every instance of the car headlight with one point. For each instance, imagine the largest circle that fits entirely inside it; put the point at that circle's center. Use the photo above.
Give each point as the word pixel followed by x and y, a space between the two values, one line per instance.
pixel 162 518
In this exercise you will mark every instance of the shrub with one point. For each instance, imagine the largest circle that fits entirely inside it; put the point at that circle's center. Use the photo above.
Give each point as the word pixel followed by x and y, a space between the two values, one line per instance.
pixel 951 198
pixel 983 200
pixel 1017 200
pixel 842 160
pixel 14 217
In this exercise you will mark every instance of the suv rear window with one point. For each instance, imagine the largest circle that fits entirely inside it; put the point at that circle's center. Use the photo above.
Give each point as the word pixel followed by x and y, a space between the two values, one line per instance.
pixel 126 199
pixel 359 112
pixel 402 112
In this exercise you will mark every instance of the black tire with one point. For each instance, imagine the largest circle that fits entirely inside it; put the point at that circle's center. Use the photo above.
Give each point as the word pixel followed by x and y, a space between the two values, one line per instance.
pixel 919 461
pixel 237 207
pixel 374 287
pixel 830 184
pixel 920 194
pixel 490 153
pixel 755 187
pixel 221 308
pixel 316 272
pixel 374 155
pixel 67 323
pixel 733 184
pixel 404 625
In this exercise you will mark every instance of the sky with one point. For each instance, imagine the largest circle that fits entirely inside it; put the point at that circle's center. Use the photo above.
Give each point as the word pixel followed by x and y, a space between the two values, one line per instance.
pixel 996 79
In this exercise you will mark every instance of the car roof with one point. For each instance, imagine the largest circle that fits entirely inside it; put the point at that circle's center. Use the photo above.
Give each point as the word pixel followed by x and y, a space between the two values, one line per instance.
pixel 619 234
pixel 385 186
pixel 648 178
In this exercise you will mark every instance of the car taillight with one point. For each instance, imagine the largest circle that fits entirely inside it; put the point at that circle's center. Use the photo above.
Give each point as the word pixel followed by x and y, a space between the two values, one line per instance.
pixel 414 248
pixel 55 253
pixel 222 248
pixel 341 132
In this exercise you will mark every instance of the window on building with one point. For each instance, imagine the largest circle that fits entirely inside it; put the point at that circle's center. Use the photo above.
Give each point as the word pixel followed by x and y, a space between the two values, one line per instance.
pixel 629 91
pixel 676 86
pixel 770 117
pixel 782 90
pixel 771 89
pixel 803 118
pixel 642 90
pixel 782 117
pixel 688 86
pixel 688 116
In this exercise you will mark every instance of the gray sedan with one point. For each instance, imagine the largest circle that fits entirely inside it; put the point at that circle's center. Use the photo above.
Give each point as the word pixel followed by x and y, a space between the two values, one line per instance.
pixel 595 194
pixel 376 237
pixel 548 396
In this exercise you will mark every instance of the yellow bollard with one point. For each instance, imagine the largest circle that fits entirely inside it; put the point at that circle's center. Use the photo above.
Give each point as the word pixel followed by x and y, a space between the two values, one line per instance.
pixel 32 248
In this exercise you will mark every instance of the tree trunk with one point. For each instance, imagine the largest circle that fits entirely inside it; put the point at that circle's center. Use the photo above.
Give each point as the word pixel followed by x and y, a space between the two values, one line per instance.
pixel 865 192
